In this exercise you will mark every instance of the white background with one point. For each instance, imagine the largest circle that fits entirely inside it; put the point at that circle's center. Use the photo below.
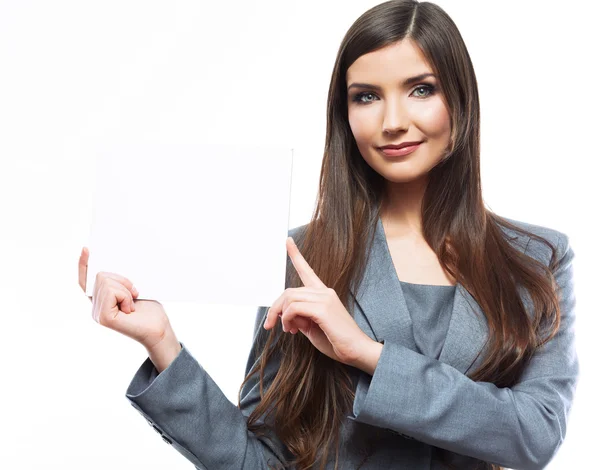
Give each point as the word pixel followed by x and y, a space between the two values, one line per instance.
pixel 72 72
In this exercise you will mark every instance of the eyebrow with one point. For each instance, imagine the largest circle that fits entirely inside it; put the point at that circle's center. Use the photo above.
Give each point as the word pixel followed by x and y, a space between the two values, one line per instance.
pixel 408 81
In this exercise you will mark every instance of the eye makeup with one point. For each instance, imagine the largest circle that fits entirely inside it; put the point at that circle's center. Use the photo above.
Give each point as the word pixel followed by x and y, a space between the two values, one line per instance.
pixel 429 88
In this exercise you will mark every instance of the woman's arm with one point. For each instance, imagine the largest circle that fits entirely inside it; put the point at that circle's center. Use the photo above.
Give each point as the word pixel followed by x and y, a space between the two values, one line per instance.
pixel 190 411
pixel 520 427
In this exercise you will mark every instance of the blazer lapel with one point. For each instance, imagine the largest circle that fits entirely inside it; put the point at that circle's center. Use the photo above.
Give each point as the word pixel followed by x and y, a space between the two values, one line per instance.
pixel 386 315
pixel 468 329
pixel 467 332
pixel 380 296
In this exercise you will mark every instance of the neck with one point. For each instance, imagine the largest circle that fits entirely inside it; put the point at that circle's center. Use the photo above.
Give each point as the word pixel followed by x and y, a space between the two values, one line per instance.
pixel 401 209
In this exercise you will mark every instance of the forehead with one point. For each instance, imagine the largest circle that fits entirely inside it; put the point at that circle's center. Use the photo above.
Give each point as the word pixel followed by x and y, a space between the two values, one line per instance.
pixel 390 63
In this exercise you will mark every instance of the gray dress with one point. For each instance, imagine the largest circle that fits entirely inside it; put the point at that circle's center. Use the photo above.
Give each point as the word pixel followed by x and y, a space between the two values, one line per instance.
pixel 430 308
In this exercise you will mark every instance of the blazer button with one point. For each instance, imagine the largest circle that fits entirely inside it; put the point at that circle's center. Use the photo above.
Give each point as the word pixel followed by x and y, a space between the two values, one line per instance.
pixel 166 440
pixel 157 430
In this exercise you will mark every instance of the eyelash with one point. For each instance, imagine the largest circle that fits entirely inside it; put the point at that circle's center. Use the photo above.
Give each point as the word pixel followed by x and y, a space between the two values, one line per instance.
pixel 358 96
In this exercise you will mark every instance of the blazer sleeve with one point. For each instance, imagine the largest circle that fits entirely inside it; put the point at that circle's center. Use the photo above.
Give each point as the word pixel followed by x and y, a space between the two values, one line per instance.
pixel 520 427
pixel 191 413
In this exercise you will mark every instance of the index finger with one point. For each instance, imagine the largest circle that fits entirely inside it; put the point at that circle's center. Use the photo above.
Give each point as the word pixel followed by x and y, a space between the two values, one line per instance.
pixel 308 276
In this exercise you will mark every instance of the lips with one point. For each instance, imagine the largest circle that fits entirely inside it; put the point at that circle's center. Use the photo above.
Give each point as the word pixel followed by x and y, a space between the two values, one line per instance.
pixel 394 151
pixel 401 145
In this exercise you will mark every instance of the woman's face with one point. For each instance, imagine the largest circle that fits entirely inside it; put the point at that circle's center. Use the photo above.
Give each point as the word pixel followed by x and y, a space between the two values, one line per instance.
pixel 384 109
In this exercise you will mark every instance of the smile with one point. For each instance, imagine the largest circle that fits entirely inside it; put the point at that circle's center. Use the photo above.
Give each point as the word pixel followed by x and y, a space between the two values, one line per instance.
pixel 388 152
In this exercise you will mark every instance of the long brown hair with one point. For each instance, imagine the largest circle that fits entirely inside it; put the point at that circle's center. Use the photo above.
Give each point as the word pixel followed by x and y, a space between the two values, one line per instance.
pixel 311 394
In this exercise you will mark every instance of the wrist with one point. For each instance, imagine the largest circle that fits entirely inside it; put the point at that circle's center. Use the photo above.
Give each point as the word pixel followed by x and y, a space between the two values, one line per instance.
pixel 369 357
pixel 165 351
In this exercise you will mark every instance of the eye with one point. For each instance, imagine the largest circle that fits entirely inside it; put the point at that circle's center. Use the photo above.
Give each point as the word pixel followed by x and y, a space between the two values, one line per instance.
pixel 429 88
pixel 358 97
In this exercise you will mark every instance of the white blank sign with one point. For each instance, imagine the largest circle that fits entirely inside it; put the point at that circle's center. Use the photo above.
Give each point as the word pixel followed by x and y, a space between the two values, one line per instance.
pixel 202 223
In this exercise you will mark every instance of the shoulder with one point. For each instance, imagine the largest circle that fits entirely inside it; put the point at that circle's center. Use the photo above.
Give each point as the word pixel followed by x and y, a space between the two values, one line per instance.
pixel 296 232
pixel 529 236
pixel 535 237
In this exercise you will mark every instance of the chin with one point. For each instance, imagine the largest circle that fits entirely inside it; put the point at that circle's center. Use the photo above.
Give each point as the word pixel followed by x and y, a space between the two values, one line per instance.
pixel 402 178
pixel 399 172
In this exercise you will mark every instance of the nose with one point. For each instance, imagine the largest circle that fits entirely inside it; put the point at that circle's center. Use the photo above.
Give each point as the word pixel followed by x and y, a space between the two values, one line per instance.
pixel 395 118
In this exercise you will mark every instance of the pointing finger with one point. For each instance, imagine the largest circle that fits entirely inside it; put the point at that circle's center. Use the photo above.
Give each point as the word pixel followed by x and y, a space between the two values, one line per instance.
pixel 308 276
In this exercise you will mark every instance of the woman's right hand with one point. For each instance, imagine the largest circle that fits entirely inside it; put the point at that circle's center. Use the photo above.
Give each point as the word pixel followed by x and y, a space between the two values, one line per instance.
pixel 113 306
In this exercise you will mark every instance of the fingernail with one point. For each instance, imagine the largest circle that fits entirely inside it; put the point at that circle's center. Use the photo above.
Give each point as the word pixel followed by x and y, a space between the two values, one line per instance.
pixel 135 291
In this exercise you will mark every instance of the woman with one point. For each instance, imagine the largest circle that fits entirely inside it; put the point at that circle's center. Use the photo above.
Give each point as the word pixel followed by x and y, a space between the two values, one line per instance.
pixel 425 331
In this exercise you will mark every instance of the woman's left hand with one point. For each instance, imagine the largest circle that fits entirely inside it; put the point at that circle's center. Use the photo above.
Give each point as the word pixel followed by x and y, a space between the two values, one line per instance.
pixel 317 311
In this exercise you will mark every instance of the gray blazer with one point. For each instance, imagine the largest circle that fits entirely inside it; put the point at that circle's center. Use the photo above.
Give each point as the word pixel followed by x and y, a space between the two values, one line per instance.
pixel 411 403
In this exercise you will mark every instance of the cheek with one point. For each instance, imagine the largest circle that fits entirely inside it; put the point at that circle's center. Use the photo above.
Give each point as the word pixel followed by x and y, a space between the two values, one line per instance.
pixel 354 123
pixel 435 119
pixel 361 125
